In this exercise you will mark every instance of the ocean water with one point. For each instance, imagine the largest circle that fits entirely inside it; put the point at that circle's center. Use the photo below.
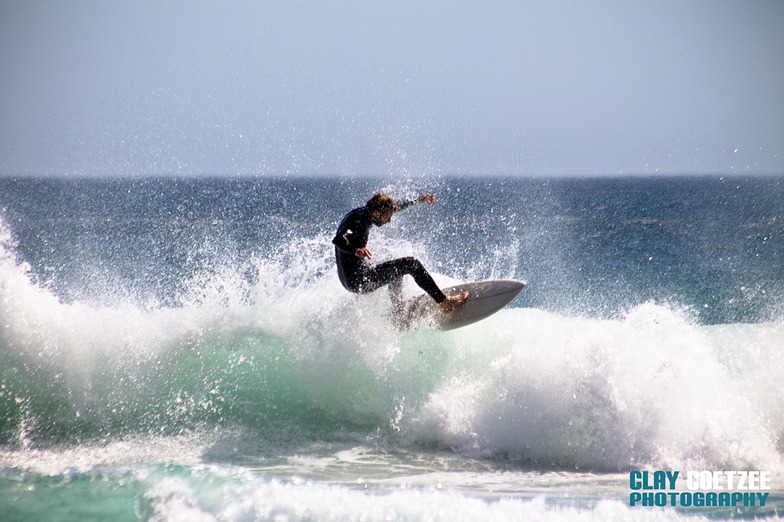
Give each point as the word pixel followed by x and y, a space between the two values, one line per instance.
pixel 181 349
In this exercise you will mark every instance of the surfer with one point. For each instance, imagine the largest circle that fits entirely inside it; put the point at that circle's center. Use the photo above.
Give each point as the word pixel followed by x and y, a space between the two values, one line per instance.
pixel 352 255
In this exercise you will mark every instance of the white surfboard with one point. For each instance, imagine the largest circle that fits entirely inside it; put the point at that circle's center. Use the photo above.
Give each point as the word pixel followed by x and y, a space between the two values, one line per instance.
pixel 484 299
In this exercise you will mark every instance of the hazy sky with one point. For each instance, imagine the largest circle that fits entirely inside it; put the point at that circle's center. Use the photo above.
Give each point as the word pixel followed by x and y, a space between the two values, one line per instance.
pixel 517 87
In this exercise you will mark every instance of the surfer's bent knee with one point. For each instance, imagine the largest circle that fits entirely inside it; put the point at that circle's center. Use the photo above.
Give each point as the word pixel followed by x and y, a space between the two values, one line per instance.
pixel 413 262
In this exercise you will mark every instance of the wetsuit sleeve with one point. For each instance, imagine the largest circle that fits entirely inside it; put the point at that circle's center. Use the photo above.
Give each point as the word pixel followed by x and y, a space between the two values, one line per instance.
pixel 404 203
pixel 347 230
pixel 342 242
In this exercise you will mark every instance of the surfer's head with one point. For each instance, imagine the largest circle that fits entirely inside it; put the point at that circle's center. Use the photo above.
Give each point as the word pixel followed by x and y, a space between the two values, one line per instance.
pixel 381 207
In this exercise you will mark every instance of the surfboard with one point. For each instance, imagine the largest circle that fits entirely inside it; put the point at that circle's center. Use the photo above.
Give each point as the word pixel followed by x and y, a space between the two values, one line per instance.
pixel 484 299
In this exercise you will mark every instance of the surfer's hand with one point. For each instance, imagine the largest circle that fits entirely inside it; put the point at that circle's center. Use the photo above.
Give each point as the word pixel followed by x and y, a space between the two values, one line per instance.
pixel 430 198
pixel 363 253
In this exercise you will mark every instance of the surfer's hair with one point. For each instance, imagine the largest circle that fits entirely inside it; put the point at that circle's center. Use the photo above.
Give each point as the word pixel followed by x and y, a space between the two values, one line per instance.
pixel 381 202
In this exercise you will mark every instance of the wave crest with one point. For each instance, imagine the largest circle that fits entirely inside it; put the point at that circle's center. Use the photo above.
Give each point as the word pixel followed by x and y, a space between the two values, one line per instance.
pixel 274 341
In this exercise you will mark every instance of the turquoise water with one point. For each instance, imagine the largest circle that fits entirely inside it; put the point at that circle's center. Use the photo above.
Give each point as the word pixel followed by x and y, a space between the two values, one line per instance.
pixel 181 348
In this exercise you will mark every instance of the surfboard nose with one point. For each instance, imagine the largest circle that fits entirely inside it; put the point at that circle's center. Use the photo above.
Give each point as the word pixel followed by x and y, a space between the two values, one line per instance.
pixel 513 286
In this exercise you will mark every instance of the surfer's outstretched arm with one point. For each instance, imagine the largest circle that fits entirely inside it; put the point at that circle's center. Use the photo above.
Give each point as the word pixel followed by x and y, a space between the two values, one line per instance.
pixel 401 204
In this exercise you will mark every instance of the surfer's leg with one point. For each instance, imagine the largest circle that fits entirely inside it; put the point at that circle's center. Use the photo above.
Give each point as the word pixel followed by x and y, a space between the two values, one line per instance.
pixel 391 271
pixel 396 292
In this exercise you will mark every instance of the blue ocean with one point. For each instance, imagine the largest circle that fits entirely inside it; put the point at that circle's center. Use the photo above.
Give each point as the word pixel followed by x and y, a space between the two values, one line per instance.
pixel 182 349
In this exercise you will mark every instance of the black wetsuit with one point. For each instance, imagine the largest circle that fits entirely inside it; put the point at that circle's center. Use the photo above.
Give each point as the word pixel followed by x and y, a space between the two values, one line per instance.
pixel 359 276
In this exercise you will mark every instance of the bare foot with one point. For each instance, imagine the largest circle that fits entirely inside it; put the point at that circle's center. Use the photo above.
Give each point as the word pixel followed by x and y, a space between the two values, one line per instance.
pixel 453 301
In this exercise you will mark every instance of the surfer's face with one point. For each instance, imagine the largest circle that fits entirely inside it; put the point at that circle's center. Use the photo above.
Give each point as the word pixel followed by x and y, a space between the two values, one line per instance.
pixel 380 219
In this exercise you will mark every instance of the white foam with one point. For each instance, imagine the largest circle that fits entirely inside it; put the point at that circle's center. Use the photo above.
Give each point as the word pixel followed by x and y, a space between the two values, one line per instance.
pixel 646 390
pixel 201 499
pixel 130 452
